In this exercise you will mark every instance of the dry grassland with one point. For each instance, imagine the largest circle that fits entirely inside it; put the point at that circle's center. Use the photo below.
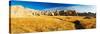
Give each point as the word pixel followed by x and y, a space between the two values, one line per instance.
pixel 48 23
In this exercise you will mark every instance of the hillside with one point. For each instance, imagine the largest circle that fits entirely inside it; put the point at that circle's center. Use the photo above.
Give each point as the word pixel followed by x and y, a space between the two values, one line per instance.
pixel 30 20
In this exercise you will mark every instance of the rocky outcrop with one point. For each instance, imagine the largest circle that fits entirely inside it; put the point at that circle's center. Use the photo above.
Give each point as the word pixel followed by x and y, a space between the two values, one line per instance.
pixel 20 11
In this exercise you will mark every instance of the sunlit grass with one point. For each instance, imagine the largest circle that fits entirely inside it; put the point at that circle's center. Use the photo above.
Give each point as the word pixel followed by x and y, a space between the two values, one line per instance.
pixel 48 23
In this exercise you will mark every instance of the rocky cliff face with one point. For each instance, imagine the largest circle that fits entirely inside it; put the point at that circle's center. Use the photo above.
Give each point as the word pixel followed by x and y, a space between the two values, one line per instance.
pixel 20 11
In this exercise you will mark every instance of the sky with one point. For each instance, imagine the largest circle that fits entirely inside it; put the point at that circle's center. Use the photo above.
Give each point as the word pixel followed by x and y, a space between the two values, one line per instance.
pixel 48 6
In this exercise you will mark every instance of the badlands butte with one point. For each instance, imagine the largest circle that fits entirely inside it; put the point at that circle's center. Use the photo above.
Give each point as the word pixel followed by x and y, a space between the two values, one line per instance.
pixel 30 20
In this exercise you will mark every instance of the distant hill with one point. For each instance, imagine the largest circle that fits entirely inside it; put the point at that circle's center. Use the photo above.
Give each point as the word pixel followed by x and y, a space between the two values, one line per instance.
pixel 21 11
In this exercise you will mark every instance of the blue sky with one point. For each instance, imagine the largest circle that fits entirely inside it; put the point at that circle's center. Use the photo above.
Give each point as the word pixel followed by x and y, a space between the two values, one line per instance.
pixel 45 5
pixel 40 5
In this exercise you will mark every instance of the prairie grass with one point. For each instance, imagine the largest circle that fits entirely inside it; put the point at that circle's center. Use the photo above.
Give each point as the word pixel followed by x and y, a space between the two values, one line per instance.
pixel 48 23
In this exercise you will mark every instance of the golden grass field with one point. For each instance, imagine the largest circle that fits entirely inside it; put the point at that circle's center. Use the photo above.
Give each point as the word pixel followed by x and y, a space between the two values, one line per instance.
pixel 48 23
